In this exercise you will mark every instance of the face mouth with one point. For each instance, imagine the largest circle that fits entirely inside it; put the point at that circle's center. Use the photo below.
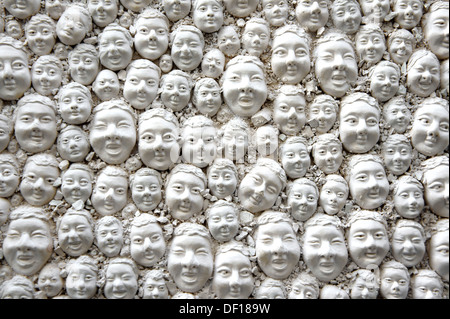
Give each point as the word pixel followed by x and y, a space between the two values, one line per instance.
pixel 25 260
pixel 326 267
pixel 279 263
pixel 245 100
pixel 113 148
pixel 255 199
pixel 189 277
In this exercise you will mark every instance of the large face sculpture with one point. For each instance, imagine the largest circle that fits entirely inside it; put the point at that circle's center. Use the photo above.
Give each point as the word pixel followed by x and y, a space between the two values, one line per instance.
pixel 241 9
pixel 368 183
pixel 436 183
pixel 213 63
pixel 294 157
pixel 261 186
pixel 375 11
pixel 106 85
pixel 207 97
pixel 384 81
pixel 401 44
pixel 436 28
pixel 121 279
pixel 76 184
pixel 423 73
pixel 74 103
pixel 333 194
pixel 312 15
pixel 176 9
pixel 109 236
pixel 222 178
pixel 244 85
pixel 73 25
pixel 40 32
pixel 346 15
pixel 223 221
pixel 187 48
pixel 141 84
pixel 28 244
pixel 152 34
pixel 84 63
pixel 113 131
pixel 176 90
pixel 184 190
pixel 367 239
pixel 81 281
pixel 275 11
pixel 146 189
pixel 370 44
pixel 408 243
pixel 397 154
pixel 396 114
pixel 327 153
pixel 290 54
pixel 22 9
pixel 110 191
pixel 438 248
pixel 277 248
pixel 208 15
pixel 256 36
pixel 15 76
pixel 335 65
pixel 232 278
pixel 73 144
pixel 228 41
pixel 408 197
pixel 302 199
pixel 115 47
pixel 409 13
pixel 190 259
pixel 394 281
pixel 9 175
pixel 46 75
pixel 289 112
pixel 324 249
pixel 147 244
pixel 430 129
pixel 103 12
pixel 75 233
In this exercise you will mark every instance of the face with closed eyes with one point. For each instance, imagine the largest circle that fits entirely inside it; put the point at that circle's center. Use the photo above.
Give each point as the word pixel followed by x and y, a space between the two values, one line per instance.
pixel 55 8
pixel 328 157
pixel 73 145
pixel 115 50
pixel 384 83
pixel 423 77
pixel 75 235
pixel 295 159
pixel 187 50
pixel 242 8
pixel 37 183
pixel 147 244
pixel 121 282
pixel 22 9
pixel 333 197
pixel 213 63
pixel 346 17
pixel 289 113
pixel 408 200
pixel 76 185
pixel 302 200
pixel 222 181
pixel 376 11
pixel 146 192
pixel 109 194
pixel 408 245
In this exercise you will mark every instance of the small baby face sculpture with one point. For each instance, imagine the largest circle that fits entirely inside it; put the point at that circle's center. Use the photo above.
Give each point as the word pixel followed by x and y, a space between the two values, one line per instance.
pixel 312 15
pixel 368 184
pixel 375 11
pixel 50 281
pixel 15 76
pixel 55 8
pixel 400 48
pixel 409 13
pixel 346 16
pixel 266 138
pixel 295 159
pixel 147 244
pixel 103 12
pixel 370 46
pixel 176 9
pixel 335 67
pixel 187 49
pixel 397 115
pixel 397 156
pixel 333 196
pixel 72 26
pixel 41 37
pixel 22 9
pixel 81 281
pixel 75 234
pixel 290 57
pixel 115 48
pixel 9 179
pixel 289 113
pixel 277 249
pixel 207 97
pixel 384 82
pixel 222 181
pixel 73 145
pixel 436 32
pixel 438 248
pixel 365 286
pixel 74 105
pixel 241 9
pixel 155 288
pixel 113 134
pixel 213 63
pixel 408 199
pixel 275 11
pixel 141 86
pixel 244 88
pixel 423 76
pixel 109 236
pixel 45 77
pixel 199 144
pixel 368 242
pixel 109 194
pixel 83 67
pixel 208 15
pixel 255 38
pixel 430 129
pixel 121 281
pixel 328 156
pixel 232 278
pixel 408 244
pixel 302 200
pixel 106 85
pixel 223 222
pixel 152 37
pixel 436 184
pixel 175 91
pixel 165 63
pixel 76 185
pixel 228 41
pixel 146 191
pixel 394 283
pixel 184 195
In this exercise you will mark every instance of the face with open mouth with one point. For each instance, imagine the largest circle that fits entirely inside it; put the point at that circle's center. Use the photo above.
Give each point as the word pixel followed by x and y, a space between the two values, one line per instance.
pixel 115 48
pixel 121 281
pixel 400 48
pixel 423 74
pixel 408 244
pixel 187 49
pixel 75 234
pixel 106 85
pixel 312 15
pixel 370 46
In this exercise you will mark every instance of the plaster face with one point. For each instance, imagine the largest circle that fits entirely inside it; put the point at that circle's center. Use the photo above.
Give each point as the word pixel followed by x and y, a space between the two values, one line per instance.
pixel 16 292
pixel 430 130
pixel 301 291
pixel 75 235
pixel 72 27
pixel 199 146
pixel 45 78
pixel 147 245
pixel 106 85
pixel 347 17
pixel 400 50
pixel 73 146
pixel 368 242
pixel 113 135
pixel 409 13
pixel 362 289
pixel 81 282
pixel 302 201
pixel 397 158
pixel 208 15
pixel 438 253
pixel 328 157
pixel 114 50
pixel 121 282
pixel 358 127
pixel 266 139
pixel 187 50
pixel 213 63
pixel 275 11
pixel 436 33
pixel 426 288
pixel 152 37
pixel 27 245
pixel 255 38
pixel 184 195
pixel 375 11
pixel 165 63
pixel 109 194
pixel 333 292
pixel 9 179
pixel 37 183
pixel 50 281
pixel 74 106
pixel 423 77
pixel 135 5
pixel 234 143
pixel 408 246
pixel 103 12
pixel 244 88
pixel 241 9
pixel 146 192
pixel 336 67
pixel 289 113
pixel 109 239
pixel 190 262
pixel 22 9
pixel 259 190
pixel 333 197
pixel 408 201
pixel 232 278
pixel 437 190
pixel 207 100
pixel 270 293
pixel 177 9
pixel 370 47
pixel 295 160
pixel 5 134
pixel 158 143
pixel 5 208
pixel 141 87
pixel 324 251
pixel 76 185
pixel 384 83
pixel 394 284
pixel 41 38
pixel 175 92
pixel 55 8
pixel 84 68
pixel 222 181
pixel 223 223
pixel 398 117
pixel 277 249
pixel 325 114
pixel 15 76
pixel 14 29
pixel 155 289
pixel 228 41
pixel 312 15
pixel 368 184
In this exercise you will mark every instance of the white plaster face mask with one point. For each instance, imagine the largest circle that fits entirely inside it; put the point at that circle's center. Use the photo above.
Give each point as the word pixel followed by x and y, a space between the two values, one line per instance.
pixel 41 38
pixel 295 159
pixel 37 183
pixel 135 5
pixel 400 49
pixel 5 133
pixel 397 157
pixel 289 113
pixel 115 51
pixel 364 288
pixel 199 147
pixel 423 77
pixel 73 145
pixel 15 77
pixel 45 77
pixel 346 17
pixel 255 38
pixel 14 29
pixel 109 194
pixel 241 9
pixel 333 197
pixel 375 11
pixel 277 249
pixel 426 287
pixel 208 15
pixel 228 41
pixel 394 283
pixel 328 157
pixel 302 201
pixel 177 9
pixel 146 192
pixel 103 12
pixel 325 115
pixel 152 37
pixel 409 13
pixel 187 50
pixel 109 239
pixel 408 200
pixel 155 289
pixel 81 282
pixel 106 85
pixel 232 277
pixel 38 248
pixel 121 282
pixel 275 11
pixel 55 8
pixel 222 181
pixel 368 242
pixel 384 83
pixel 83 67
pixel 370 47
pixel 71 27
pixel 266 141
pixel 408 245
pixel 75 235
pixel 50 281
pixel 165 63
pixel 397 116
pixel 147 244
pixel 141 87
pixel 438 253
pixel 9 179
pixel 76 185
pixel 184 195
pixel 175 92
pixel 235 143
pixel 213 63
pixel 223 223
pixel 435 33
pixel 312 15
pixel 207 99
pixel 22 9
pixel 74 106
pixel 436 190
